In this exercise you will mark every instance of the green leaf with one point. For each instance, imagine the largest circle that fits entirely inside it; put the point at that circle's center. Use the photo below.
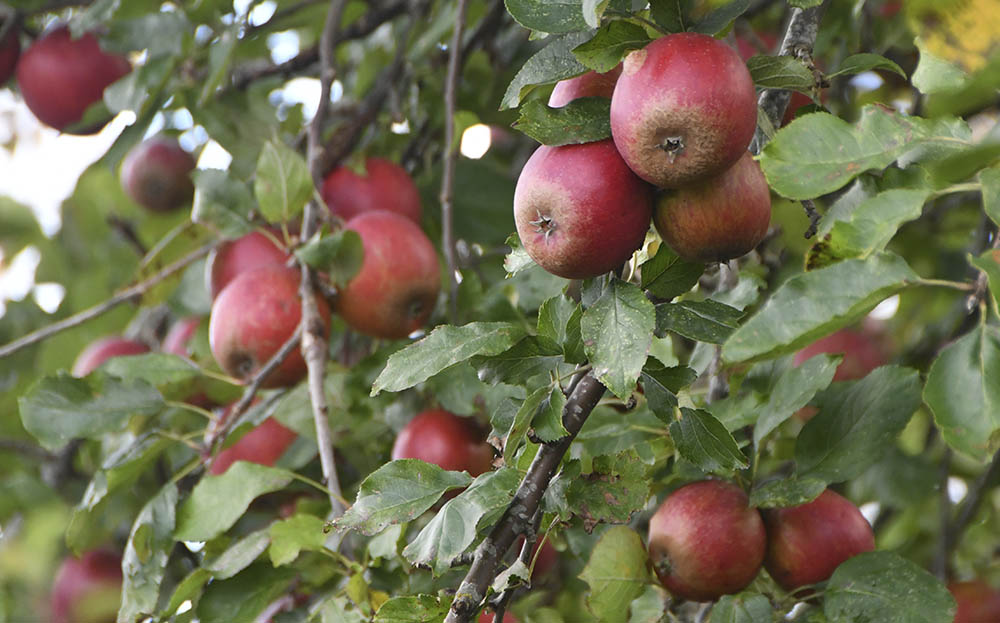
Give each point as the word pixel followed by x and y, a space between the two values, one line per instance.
pixel 617 331
pixel 283 184
pixel 670 15
pixel 552 16
pixel 704 441
pixel 720 19
pixel 616 573
pixel 857 423
pixel 59 408
pixel 804 4
pixel 781 72
pixel 552 63
pixel 786 492
pixel 963 393
pixel 581 121
pixel 990 179
pixel 705 321
pixel 144 562
pixel 742 609
pixel 857 63
pixel 547 422
pixel 559 320
pixel 531 356
pixel 615 488
pixel 292 535
pixel 884 587
pixel 453 528
pixel 218 501
pixel 220 55
pixel 518 259
pixel 989 263
pixel 661 385
pixel 802 310
pixel 398 491
pixel 339 255
pixel 244 596
pixel 443 348
pixel 935 75
pixel 794 389
pixel 522 421
pixel 610 44
pixel 221 203
pixel 666 275
pixel 239 555
pixel 413 609
pixel 188 589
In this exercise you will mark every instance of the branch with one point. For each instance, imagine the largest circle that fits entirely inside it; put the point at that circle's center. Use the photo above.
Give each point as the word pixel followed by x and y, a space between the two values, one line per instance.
pixel 517 518
pixel 974 499
pixel 127 294
pixel 26 448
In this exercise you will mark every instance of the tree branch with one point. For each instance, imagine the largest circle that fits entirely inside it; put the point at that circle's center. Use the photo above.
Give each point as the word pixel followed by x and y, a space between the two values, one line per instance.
pixel 517 518
pixel 125 295
pixel 973 500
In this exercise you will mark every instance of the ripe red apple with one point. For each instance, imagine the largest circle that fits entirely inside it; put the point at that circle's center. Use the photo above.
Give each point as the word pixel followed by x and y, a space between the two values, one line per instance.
pixel 977 601
pixel 684 109
pixel 156 174
pixel 253 317
pixel 705 541
pixel 263 445
pixel 862 352
pixel 87 589
pixel 449 441
pixel 718 219
pixel 236 256
pixel 10 50
pixel 488 616
pixel 103 349
pixel 579 210
pixel 394 293
pixel 60 77
pixel 384 186
pixel 806 543
pixel 180 333
pixel 590 84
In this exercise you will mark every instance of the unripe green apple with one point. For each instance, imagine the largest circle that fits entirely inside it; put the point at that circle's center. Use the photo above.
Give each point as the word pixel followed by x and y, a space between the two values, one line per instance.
pixel 590 84
pixel 103 349
pixel 156 174
pixel 384 186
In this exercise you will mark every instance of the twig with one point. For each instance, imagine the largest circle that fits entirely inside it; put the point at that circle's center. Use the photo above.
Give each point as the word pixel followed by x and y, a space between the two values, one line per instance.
pixel 944 544
pixel 518 516
pixel 810 207
pixel 974 499
pixel 450 154
pixel 127 294
pixel 26 448
pixel 127 231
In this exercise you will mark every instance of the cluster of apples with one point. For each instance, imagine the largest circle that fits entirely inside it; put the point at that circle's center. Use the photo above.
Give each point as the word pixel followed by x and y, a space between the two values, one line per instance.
pixel 683 112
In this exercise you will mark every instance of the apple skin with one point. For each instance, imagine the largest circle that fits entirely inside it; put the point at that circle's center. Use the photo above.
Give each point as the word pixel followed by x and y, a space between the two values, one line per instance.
pixel 103 349
pixel 394 293
pixel 806 543
pixel 87 589
pixel 721 218
pixel 579 210
pixel 253 317
pixel 862 353
pixel 10 50
pixel 447 440
pixel 180 333
pixel 384 186
pixel 488 616
pixel 977 601
pixel 237 256
pixel 263 445
pixel 60 77
pixel 684 109
pixel 156 174
pixel 705 541
pixel 590 84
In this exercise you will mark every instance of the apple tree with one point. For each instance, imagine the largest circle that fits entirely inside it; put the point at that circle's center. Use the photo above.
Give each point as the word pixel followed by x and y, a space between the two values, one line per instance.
pixel 706 329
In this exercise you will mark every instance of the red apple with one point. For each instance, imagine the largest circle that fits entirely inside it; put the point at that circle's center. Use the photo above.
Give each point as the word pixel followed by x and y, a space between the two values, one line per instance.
pixel 705 541
pixel 590 84
pixel 579 210
pixel 384 186
pixel 10 50
pixel 394 293
pixel 60 77
pixel 263 445
pixel 862 353
pixel 180 333
pixel 447 440
pixel 87 589
pixel 156 174
pixel 253 317
pixel 977 601
pixel 684 109
pixel 103 349
pixel 237 256
pixel 487 616
pixel 806 543
pixel 718 219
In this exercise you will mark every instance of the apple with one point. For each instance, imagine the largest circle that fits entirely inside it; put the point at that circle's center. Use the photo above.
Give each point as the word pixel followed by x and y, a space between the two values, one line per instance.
pixel 180 334
pixel 447 440
pixel 545 556
pixel 87 589
pixel 394 293
pixel 103 349
pixel 862 352
pixel 253 317
pixel 10 50
pixel 237 256
pixel 263 445
pixel 579 210
pixel 705 541
pixel 156 174
pixel 806 543
pixel 684 109
pixel 60 77
pixel 717 219
pixel 590 84
pixel 487 616
pixel 977 601
pixel 384 186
